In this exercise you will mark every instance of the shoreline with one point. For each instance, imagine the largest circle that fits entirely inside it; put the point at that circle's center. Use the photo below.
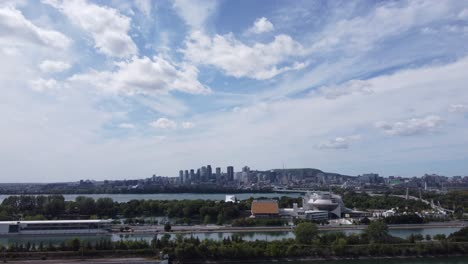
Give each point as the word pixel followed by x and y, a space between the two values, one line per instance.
pixel 222 229
pixel 149 260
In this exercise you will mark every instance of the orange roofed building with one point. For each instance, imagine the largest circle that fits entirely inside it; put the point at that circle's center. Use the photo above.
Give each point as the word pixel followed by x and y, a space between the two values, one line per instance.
pixel 265 208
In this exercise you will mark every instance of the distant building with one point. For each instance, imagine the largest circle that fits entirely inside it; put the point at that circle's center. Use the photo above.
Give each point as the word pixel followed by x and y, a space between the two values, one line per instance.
pixel 181 176
pixel 264 208
pixel 50 227
pixel 186 176
pixel 230 199
pixel 209 172
pixel 324 201
pixel 230 173
pixel 218 172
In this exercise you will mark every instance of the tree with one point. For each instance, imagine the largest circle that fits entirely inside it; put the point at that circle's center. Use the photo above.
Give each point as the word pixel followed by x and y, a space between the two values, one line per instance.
pixel 167 227
pixel 339 246
pixel 306 232
pixel 377 231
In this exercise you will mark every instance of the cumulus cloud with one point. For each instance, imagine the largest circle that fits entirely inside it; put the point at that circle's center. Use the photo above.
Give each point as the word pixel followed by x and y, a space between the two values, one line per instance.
pixel 339 142
pixel 261 25
pixel 259 61
pixel 459 108
pixel 49 66
pixel 145 76
pixel 107 26
pixel 187 125
pixel 411 127
pixel 350 87
pixel 126 125
pixel 195 13
pixel 164 123
pixel 42 85
pixel 16 29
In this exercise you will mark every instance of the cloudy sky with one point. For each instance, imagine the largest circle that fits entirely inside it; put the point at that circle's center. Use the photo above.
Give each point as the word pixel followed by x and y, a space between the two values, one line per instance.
pixel 125 89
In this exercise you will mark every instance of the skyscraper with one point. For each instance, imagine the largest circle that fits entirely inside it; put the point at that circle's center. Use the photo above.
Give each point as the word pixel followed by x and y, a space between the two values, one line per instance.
pixel 209 172
pixel 181 176
pixel 230 173
pixel 186 177
pixel 218 172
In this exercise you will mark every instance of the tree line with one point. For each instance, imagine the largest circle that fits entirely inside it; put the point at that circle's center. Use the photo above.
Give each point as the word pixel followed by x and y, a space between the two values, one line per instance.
pixel 30 207
pixel 375 241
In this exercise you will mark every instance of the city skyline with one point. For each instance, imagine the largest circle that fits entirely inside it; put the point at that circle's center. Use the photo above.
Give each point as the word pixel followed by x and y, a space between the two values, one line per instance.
pixel 126 89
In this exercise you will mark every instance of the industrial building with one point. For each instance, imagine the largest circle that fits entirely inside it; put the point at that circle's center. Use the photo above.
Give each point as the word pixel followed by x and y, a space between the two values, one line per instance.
pixel 55 227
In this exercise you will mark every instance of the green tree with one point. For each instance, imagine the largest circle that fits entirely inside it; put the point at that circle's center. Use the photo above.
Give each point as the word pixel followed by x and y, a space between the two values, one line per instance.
pixel 339 246
pixel 377 231
pixel 306 232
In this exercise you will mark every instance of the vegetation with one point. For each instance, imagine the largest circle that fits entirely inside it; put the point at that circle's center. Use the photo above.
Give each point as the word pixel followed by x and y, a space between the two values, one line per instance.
pixel 306 232
pixel 374 242
pixel 362 201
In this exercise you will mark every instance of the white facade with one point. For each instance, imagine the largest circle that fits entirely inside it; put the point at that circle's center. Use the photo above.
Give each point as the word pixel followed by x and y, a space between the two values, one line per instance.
pixel 54 227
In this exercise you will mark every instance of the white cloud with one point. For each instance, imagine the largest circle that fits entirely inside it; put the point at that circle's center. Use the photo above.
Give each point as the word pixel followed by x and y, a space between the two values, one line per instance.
pixel 339 142
pixel 164 123
pixel 127 126
pixel 459 108
pixel 42 85
pixel 144 6
pixel 16 29
pixel 261 25
pixel 350 87
pixel 108 27
pixel 410 127
pixel 195 13
pixel 259 61
pixel 187 125
pixel 49 66
pixel 463 14
pixel 387 20
pixel 145 76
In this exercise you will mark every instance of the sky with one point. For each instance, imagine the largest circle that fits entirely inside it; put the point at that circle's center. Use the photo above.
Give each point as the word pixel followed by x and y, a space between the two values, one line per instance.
pixel 117 89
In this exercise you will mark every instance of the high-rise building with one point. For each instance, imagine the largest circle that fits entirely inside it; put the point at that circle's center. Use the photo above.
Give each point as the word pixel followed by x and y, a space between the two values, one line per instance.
pixel 203 174
pixel 192 175
pixel 181 176
pixel 209 172
pixel 218 172
pixel 230 173
pixel 186 176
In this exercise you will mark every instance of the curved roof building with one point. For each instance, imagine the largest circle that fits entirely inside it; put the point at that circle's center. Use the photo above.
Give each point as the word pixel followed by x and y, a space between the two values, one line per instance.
pixel 324 201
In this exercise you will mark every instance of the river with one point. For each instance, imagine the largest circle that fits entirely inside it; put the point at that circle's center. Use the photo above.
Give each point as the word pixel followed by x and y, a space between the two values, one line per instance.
pixel 172 196
pixel 249 236
pixel 438 260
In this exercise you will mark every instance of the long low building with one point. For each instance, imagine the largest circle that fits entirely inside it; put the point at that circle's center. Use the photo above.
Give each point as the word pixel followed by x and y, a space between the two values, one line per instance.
pixel 55 227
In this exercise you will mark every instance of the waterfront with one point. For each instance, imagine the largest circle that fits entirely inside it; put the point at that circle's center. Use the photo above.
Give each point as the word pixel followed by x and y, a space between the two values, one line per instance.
pixel 393 260
pixel 172 196
pixel 248 236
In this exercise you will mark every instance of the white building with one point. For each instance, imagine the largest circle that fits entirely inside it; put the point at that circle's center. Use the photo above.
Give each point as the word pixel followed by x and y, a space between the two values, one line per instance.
pixel 55 227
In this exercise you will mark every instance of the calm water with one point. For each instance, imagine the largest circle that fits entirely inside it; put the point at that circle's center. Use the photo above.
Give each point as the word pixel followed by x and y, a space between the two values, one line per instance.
pixel 249 236
pixel 438 260
pixel 173 196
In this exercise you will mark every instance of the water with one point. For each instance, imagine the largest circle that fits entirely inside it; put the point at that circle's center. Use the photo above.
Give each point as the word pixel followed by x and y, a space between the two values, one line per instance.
pixel 438 260
pixel 248 236
pixel 173 196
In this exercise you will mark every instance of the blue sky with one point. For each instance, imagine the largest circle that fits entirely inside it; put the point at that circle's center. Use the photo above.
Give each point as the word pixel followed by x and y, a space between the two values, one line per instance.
pixel 126 89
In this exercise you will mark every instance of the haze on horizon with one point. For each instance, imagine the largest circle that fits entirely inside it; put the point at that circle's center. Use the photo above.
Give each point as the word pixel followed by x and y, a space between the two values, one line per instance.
pixel 117 89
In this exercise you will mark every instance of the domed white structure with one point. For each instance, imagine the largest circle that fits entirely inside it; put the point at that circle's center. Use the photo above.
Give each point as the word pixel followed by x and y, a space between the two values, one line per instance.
pixel 324 201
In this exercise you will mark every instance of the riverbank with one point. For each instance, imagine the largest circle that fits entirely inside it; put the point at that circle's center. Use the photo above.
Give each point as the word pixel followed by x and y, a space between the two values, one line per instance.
pixel 217 229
